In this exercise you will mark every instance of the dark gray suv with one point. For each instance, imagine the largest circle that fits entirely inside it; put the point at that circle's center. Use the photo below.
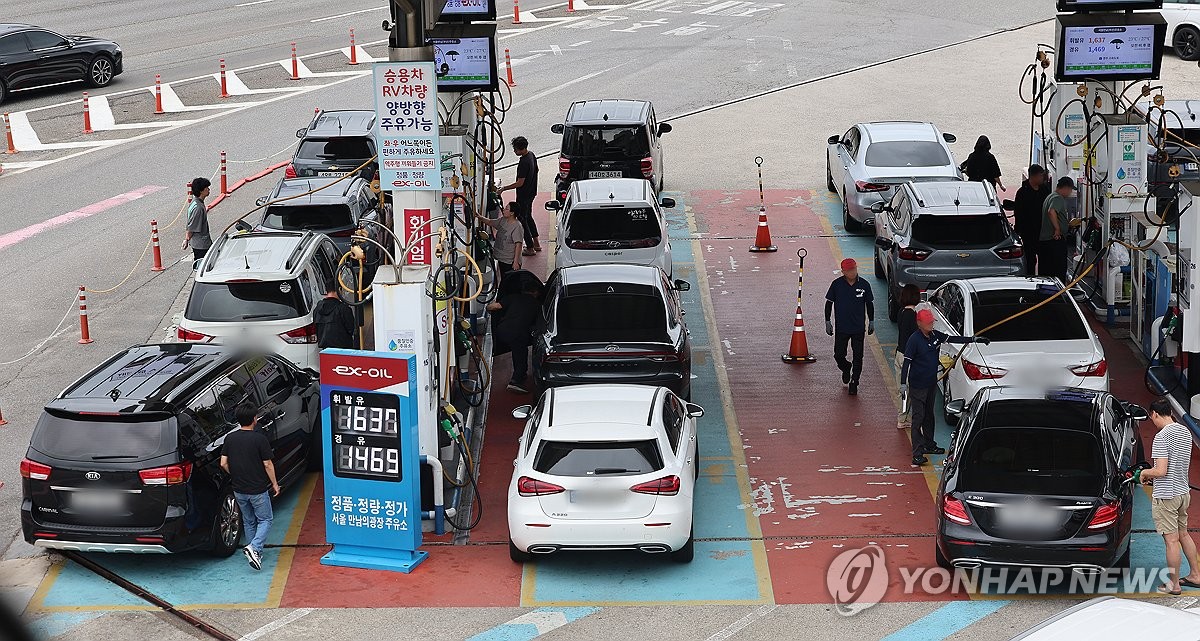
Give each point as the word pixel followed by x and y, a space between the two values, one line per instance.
pixel 336 211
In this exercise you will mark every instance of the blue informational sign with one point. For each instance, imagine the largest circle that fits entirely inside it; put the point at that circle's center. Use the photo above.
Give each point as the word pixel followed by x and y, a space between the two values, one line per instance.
pixel 372 460
pixel 406 126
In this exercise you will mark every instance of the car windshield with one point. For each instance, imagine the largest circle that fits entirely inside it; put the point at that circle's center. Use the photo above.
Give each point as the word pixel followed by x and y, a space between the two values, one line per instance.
pixel 257 300
pixel 335 149
pixel 618 317
pixel 617 458
pixel 906 153
pixel 613 227
pixel 1032 460
pixel 1057 320
pixel 74 437
pixel 960 231
pixel 315 217
pixel 609 142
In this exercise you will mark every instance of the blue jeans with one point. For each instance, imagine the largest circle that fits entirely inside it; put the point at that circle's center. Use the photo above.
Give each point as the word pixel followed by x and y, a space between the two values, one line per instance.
pixel 256 517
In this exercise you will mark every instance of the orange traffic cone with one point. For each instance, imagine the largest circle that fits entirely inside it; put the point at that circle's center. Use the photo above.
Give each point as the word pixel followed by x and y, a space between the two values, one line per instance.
pixel 798 352
pixel 762 240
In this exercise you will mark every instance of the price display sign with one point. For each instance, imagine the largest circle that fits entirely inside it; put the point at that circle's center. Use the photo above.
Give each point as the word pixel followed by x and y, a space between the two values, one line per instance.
pixel 1100 47
pixel 372 459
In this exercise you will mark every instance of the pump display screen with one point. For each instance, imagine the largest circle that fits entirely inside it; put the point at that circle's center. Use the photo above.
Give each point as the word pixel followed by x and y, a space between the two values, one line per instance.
pixel 463 64
pixel 1100 51
pixel 469 10
pixel 365 431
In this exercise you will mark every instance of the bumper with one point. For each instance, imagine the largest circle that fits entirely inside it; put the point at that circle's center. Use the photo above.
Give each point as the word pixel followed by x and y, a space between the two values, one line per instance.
pixel 164 539
pixel 678 382
pixel 928 280
pixel 970 548
pixel 112 548
pixel 118 64
pixel 859 203
pixel 599 535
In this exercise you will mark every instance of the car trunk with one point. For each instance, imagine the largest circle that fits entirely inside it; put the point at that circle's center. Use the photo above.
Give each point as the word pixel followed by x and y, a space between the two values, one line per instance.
pixel 619 233
pixel 617 361
pixel 597 477
pixel 613 151
pixel 1037 363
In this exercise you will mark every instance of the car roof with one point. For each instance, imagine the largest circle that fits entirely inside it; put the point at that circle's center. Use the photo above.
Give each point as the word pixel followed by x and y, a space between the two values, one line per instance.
pixel 996 283
pixel 897 130
pixel 608 112
pixel 1083 408
pixel 941 196
pixel 12 27
pixel 599 190
pixel 611 273
pixel 592 404
pixel 1112 618
pixel 330 195
pixel 261 255
pixel 1181 107
pixel 345 122
pixel 143 377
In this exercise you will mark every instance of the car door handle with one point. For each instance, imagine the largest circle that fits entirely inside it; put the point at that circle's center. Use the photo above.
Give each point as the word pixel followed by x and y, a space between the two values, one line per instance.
pixel 280 415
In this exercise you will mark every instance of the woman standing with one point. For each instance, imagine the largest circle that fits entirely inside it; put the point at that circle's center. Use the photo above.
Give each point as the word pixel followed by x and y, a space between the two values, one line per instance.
pixel 910 296
pixel 981 165
pixel 509 234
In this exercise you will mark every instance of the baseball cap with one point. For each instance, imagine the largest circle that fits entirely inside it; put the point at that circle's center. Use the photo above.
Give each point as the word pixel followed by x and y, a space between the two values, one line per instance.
pixel 924 316
pixel 849 263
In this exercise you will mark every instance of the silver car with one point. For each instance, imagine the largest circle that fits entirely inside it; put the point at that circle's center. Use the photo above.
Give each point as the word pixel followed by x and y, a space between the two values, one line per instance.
pixel 865 164
pixel 612 220
pixel 932 232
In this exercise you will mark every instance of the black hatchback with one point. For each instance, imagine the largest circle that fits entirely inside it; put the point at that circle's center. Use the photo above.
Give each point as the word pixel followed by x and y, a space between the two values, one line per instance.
pixel 127 459
pixel 610 139
pixel 35 57
pixel 1039 479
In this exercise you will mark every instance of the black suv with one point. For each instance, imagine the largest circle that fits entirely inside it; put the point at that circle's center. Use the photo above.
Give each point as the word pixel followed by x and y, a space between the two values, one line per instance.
pixel 1037 478
pixel 334 144
pixel 610 139
pixel 612 323
pixel 127 459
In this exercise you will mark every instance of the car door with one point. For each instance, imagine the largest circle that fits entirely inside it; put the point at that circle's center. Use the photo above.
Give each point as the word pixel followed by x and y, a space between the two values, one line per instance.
pixel 18 65
pixel 205 426
pixel 656 148
pixel 281 415
pixel 56 60
pixel 840 165
pixel 894 227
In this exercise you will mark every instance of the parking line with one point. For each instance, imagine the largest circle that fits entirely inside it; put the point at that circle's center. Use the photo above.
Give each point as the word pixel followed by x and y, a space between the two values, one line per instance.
pixel 25 233
pixel 946 620
pixel 292 616
pixel 534 624
pixel 349 13
pixel 250 4
pixel 283 567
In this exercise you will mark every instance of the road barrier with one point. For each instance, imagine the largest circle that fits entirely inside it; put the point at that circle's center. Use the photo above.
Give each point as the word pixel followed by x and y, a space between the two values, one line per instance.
pixel 798 350
pixel 353 53
pixel 158 265
pixel 295 64
pixel 84 335
pixel 516 11
pixel 2 421
pixel 224 180
pixel 508 67
pixel 12 149
pixel 570 6
pixel 158 108
pixel 224 85
pixel 762 239
pixel 87 116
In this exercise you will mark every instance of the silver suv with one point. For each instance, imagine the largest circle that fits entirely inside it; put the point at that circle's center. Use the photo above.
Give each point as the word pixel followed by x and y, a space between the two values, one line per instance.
pixel 932 232
pixel 612 220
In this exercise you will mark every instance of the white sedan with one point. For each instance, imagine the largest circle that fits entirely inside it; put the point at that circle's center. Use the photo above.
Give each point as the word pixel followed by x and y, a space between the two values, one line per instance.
pixel 604 467
pixel 1108 617
pixel 1050 346
pixel 1183 27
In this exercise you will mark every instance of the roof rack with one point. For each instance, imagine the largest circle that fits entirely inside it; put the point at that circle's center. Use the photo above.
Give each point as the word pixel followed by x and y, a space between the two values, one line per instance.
pixel 653 402
pixel 299 249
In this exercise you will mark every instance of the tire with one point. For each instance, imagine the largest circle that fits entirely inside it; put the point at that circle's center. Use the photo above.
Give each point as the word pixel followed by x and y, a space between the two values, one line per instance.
pixel 879 273
pixel 227 526
pixel 893 304
pixel 829 178
pixel 686 553
pixel 1187 43
pixel 517 555
pixel 941 559
pixel 100 71
pixel 852 226
pixel 3 92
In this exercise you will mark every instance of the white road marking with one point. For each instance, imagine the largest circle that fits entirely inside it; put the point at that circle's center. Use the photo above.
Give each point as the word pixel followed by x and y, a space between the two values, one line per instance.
pixel 521 61
pixel 580 43
pixel 543 620
pixel 101 113
pixel 361 54
pixel 737 626
pixel 248 4
pixel 233 84
pixel 557 50
pixel 275 625
pixel 564 85
pixel 349 13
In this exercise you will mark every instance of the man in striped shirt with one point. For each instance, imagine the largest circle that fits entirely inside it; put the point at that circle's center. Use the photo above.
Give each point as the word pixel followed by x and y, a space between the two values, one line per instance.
pixel 1172 453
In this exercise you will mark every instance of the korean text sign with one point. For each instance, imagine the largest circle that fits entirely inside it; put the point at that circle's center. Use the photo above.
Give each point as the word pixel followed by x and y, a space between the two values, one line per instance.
pixel 406 130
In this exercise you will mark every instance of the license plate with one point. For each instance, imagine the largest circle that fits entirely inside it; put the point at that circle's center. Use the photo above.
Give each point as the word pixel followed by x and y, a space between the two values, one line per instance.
pixel 605 174
pixel 592 497
pixel 1191 166
pixel 331 174
pixel 97 501
pixel 1028 517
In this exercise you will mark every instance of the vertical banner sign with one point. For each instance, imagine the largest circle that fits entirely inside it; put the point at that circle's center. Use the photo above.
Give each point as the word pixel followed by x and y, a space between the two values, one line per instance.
pixel 406 132
pixel 371 460
pixel 416 226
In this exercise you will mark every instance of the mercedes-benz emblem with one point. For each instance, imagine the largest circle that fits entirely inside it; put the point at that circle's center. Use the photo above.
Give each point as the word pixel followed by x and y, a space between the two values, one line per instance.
pixel 92 476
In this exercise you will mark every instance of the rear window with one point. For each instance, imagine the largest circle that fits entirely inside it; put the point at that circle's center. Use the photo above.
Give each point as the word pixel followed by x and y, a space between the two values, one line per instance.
pixel 960 232
pixel 1039 461
pixel 612 318
pixel 1192 136
pixel 905 153
pixel 315 217
pixel 1057 320
pixel 79 438
pixel 335 149
pixel 623 458
pixel 611 142
pixel 601 228
pixel 262 300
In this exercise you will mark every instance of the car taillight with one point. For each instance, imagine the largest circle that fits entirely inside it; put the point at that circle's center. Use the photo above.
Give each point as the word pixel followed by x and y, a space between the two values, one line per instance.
pixel 301 335
pixel 865 187
pixel 532 487
pixel 982 372
pixel 169 475
pixel 664 357
pixel 908 253
pixel 289 171
pixel 558 358
pixel 1016 251
pixel 345 233
pixel 666 486
pixel 648 167
pixel 1099 368
pixel 34 470
pixel 564 167
pixel 954 510
pixel 1105 516
pixel 190 336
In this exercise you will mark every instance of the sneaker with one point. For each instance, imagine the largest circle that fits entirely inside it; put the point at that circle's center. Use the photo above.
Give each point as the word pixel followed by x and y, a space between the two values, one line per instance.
pixel 935 450
pixel 854 389
pixel 528 252
pixel 517 388
pixel 845 377
pixel 918 461
pixel 252 557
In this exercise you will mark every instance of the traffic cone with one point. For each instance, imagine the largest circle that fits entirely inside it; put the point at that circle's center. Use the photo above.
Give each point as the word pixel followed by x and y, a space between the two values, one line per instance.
pixel 798 352
pixel 762 240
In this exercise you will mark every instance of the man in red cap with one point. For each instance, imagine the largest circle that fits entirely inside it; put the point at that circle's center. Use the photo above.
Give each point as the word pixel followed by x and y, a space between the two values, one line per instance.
pixel 851 303
pixel 918 379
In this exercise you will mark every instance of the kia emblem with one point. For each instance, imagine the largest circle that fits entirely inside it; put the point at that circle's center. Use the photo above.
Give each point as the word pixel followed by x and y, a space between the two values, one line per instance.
pixel 92 476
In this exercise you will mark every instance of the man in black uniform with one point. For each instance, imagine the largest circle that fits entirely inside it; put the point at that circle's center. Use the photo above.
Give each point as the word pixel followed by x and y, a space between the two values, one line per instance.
pixel 526 187
pixel 1027 210
pixel 516 315
pixel 851 298
pixel 335 320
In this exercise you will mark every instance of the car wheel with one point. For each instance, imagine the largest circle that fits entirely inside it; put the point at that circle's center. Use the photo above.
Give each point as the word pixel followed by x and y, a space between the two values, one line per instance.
pixel 1187 43
pixel 947 396
pixel 829 178
pixel 851 225
pixel 517 555
pixel 941 559
pixel 315 447
pixel 893 304
pixel 227 526
pixel 879 273
pixel 100 71
pixel 686 553
pixel 3 92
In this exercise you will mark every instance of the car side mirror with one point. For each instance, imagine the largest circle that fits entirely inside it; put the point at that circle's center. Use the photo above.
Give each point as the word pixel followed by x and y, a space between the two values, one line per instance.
pixel 301 131
pixel 664 128
pixel 523 412
pixel 243 226
pixel 669 203
pixel 556 128
pixel 682 286
pixel 924 296
pixel 956 408
pixel 884 243
pixel 553 205
pixel 834 140
pixel 262 201
pixel 1008 205
pixel 950 138
pixel 879 207
pixel 694 411
pixel 1137 412
pixel 196 264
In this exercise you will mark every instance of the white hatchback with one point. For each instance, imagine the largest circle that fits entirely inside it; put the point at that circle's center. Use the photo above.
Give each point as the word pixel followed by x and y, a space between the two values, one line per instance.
pixel 612 220
pixel 1050 346
pixel 604 467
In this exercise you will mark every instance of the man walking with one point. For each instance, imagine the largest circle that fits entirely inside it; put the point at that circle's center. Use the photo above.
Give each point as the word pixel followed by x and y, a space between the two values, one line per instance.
pixel 246 456
pixel 1053 245
pixel 526 188
pixel 850 301
pixel 334 319
pixel 197 220
pixel 1027 210
pixel 918 379
pixel 1172 451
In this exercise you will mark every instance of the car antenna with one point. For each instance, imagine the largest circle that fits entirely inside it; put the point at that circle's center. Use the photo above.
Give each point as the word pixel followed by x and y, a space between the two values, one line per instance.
pixel 957 195
pixel 611 196
pixel 247 259
pixel 1187 104
pixel 339 122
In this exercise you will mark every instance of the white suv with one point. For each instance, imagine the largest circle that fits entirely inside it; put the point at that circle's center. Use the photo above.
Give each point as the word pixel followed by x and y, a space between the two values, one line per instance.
pixel 612 220
pixel 259 289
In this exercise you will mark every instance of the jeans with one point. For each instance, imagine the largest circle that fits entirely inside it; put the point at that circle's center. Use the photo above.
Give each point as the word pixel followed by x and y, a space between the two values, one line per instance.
pixel 1052 258
pixel 839 353
pixel 256 517
pixel 525 215
pixel 920 403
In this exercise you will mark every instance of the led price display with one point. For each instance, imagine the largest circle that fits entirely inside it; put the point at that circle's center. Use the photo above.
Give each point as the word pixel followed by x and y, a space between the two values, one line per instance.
pixel 464 63
pixel 469 10
pixel 365 434
pixel 1093 51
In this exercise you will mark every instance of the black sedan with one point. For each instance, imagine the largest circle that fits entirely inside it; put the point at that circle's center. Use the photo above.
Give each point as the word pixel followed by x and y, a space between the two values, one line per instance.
pixel 1039 479
pixel 33 57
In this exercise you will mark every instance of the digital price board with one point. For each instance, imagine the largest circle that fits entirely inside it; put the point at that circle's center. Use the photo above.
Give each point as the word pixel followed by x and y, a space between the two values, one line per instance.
pixel 464 57
pixel 1109 47
pixel 371 459
pixel 467 10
